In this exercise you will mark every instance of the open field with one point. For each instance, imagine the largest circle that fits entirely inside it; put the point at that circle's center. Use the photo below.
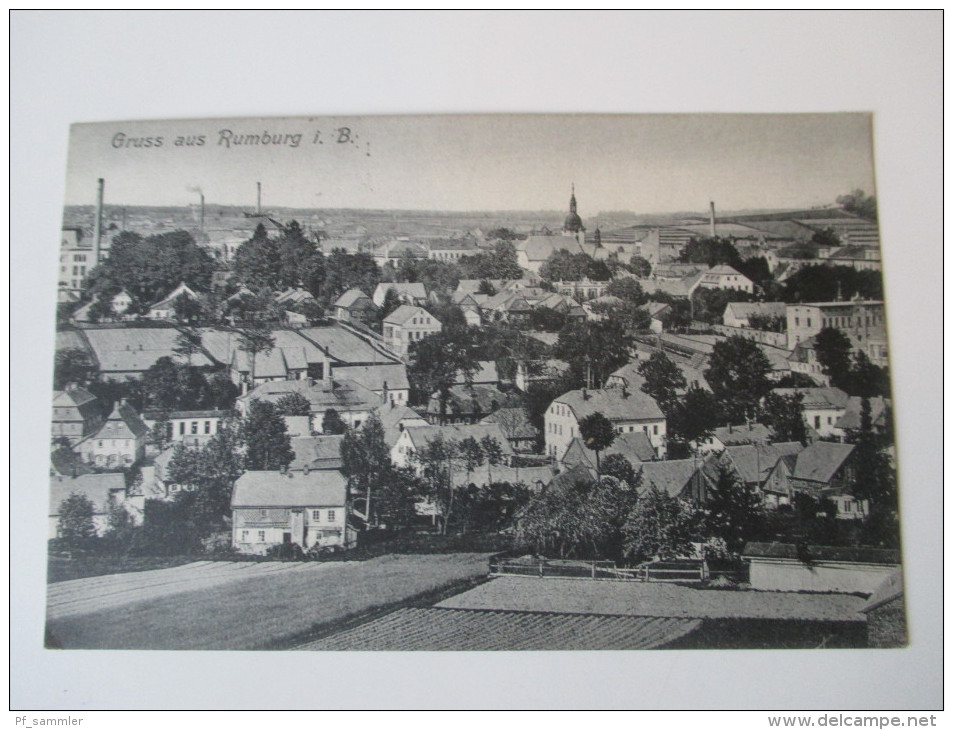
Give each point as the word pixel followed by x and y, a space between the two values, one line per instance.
pixel 439 629
pixel 241 605
pixel 634 598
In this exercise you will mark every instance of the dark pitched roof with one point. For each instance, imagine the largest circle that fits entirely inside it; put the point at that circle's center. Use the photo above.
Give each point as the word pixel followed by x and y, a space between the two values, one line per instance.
pixel 670 477
pixel 754 433
pixel 821 460
pixel 754 462
pixel 350 297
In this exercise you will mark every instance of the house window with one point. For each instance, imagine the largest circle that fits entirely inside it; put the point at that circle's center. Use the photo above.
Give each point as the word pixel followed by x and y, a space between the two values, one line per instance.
pixel 262 513
pixel 797 321
pixel 181 428
pixel 808 321
pixel 330 515
pixel 195 427
pixel 261 536
pixel 828 420
pixel 817 421
pixel 655 429
pixel 244 536
pixel 208 427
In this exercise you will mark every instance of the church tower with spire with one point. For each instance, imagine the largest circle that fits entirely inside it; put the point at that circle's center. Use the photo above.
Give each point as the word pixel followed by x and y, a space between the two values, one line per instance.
pixel 573 226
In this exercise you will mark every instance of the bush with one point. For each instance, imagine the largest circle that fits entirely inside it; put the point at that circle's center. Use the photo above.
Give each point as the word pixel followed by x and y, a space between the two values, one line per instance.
pixel 286 551
pixel 218 543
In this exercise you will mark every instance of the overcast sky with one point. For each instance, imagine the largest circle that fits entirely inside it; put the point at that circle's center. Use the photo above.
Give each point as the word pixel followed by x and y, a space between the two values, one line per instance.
pixel 648 164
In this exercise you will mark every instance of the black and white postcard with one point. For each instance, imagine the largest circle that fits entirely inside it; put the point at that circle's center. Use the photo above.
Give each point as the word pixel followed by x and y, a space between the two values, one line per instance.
pixel 525 382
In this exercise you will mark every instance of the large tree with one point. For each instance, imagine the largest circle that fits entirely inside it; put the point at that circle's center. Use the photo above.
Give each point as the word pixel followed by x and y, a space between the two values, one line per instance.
pixel 73 365
pixel 710 251
pixel 149 268
pixel 268 446
pixel 75 526
pixel 435 463
pixel 597 434
pixel 210 472
pixel 293 404
pixel 663 381
pixel 660 526
pixel 345 271
pixel 594 349
pixel 832 348
pixel 365 461
pixel 859 203
pixel 300 263
pixel 733 511
pixel 694 418
pixel 822 283
pixel 783 414
pixel 257 263
pixel 255 340
pixel 628 290
pixel 437 360
pixel 738 375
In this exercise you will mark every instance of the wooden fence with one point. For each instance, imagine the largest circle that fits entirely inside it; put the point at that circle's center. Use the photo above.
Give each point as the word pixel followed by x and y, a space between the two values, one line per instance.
pixel 671 571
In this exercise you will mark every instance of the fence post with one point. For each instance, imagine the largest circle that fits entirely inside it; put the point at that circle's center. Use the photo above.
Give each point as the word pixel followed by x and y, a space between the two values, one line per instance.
pixel 540 568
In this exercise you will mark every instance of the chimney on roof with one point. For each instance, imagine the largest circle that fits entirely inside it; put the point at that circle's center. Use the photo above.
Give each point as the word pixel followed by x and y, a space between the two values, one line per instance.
pixel 730 428
pixel 711 218
pixel 258 208
pixel 625 392
pixel 585 394
pixel 98 222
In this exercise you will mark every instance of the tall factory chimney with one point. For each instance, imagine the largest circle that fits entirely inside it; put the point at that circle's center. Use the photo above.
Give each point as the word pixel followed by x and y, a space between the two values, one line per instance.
pixel 711 218
pixel 259 198
pixel 202 212
pixel 98 222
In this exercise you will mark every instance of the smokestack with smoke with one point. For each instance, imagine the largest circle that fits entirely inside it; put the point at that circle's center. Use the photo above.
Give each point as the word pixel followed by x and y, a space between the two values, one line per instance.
pixel 258 209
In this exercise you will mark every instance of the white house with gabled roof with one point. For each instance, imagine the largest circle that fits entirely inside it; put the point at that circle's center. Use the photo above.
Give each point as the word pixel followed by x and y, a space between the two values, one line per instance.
pixel 408 324
pixel 629 411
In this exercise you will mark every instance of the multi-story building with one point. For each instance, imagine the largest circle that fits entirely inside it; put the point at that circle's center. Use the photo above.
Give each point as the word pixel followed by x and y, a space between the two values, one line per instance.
pixel 859 319
pixel 76 261
pixel 119 442
pixel 307 508
pixel 822 408
pixel 628 411
pixel 75 413
pixel 408 324
pixel 192 428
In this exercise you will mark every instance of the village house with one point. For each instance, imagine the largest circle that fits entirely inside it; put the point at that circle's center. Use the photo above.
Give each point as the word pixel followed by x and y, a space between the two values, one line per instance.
pixel 451 249
pixel 119 442
pixel 414 439
pixel 389 380
pixel 485 373
pixel 165 308
pixel 822 470
pixel 395 419
pixel 354 306
pixel 822 408
pixel 191 428
pixel 470 305
pixel 628 376
pixel 635 447
pixel 75 413
pixel 725 436
pixel 352 402
pixel 738 314
pixel 104 491
pixel 515 425
pixel 412 293
pixel 316 452
pixel 724 277
pixel 465 404
pixel 279 363
pixel 406 325
pixel 307 508
pixel 754 463
pixel 685 479
pixel 628 411
pixel 851 420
